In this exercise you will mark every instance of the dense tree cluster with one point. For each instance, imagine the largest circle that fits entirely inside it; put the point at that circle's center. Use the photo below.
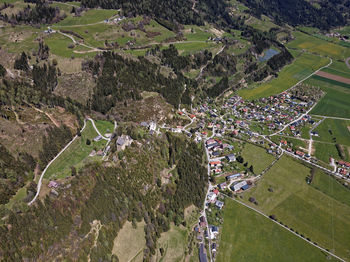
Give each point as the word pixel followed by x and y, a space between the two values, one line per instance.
pixel 45 77
pixel 21 63
pixel 14 173
pixel 301 12
pixel 120 79
pixel 41 13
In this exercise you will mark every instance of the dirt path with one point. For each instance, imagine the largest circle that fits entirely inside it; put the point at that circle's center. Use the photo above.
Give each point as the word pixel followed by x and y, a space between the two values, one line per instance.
pixel 53 120
pixel 347 62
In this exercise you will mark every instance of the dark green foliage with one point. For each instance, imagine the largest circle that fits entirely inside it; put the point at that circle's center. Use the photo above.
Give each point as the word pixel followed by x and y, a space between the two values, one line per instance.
pixel 55 140
pixel 2 71
pixel 280 60
pixel 218 88
pixel 22 62
pixel 302 12
pixel 123 79
pixel 41 13
pixel 223 64
pixel 45 77
pixel 13 174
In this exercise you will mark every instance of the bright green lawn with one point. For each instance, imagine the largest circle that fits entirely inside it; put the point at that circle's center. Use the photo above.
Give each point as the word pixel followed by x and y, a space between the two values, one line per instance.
pixel 248 236
pixel 104 126
pixel 310 212
pixel 303 65
pixel 318 46
pixel 339 129
pixel 256 156
pixel 76 154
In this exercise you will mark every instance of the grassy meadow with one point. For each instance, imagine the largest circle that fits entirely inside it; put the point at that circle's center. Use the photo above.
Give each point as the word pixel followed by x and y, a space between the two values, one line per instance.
pixel 248 236
pixel 303 65
pixel 334 131
pixel 316 215
pixel 130 242
pixel 318 46
pixel 256 156
pixel 76 154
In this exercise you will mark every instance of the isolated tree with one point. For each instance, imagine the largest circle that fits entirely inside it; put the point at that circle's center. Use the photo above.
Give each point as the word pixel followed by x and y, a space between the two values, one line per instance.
pixel 88 141
pixel 73 171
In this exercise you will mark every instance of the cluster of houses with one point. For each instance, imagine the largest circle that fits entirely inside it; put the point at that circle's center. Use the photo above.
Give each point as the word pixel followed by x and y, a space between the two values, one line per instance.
pixel 338 35
pixel 274 111
pixel 343 168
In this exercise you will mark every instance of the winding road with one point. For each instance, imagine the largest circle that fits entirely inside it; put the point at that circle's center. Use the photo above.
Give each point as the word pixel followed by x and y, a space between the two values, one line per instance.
pixel 48 165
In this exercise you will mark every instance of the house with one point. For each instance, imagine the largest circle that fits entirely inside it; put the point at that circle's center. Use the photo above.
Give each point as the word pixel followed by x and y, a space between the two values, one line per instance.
pixel 98 138
pixel 144 124
pixel 215 163
pixel 299 153
pixel 238 186
pixel 53 184
pixel 231 157
pixel 216 191
pixel 93 153
pixel 152 126
pixel 234 176
pixel 99 153
pixel 223 186
pixel 219 204
pixel 123 141
pixel 212 197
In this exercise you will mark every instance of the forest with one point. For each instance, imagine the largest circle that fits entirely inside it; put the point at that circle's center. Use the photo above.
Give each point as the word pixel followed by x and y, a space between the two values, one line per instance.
pixel 331 13
pixel 111 196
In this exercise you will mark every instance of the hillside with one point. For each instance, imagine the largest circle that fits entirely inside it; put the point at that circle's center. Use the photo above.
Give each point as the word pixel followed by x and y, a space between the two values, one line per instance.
pixel 129 128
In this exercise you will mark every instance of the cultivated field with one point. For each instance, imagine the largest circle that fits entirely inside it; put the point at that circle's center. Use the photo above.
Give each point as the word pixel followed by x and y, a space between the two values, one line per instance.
pixel 335 102
pixel 334 77
pixel 256 156
pixel 318 46
pixel 244 228
pixel 316 215
pixel 303 65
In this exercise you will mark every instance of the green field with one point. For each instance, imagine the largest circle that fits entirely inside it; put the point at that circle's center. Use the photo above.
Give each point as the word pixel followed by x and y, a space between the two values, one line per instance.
pixel 104 126
pixel 335 102
pixel 256 156
pixel 248 236
pixel 303 65
pixel 75 155
pixel 331 187
pixel 324 151
pixel 318 46
pixel 340 129
pixel 89 17
pixel 316 215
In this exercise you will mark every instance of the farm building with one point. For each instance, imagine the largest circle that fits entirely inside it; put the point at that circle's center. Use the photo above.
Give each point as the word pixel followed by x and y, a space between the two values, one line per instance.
pixel 239 186
pixel 231 157
pixel 234 176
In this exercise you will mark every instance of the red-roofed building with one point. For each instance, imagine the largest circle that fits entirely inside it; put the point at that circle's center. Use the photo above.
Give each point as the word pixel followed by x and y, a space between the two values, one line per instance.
pixel 216 191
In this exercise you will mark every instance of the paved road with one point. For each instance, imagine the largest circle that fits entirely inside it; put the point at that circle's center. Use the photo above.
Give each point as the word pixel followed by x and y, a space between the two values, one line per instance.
pixel 331 61
pixel 296 120
pixel 98 132
pixel 48 165
pixel 206 196
pixel 261 213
